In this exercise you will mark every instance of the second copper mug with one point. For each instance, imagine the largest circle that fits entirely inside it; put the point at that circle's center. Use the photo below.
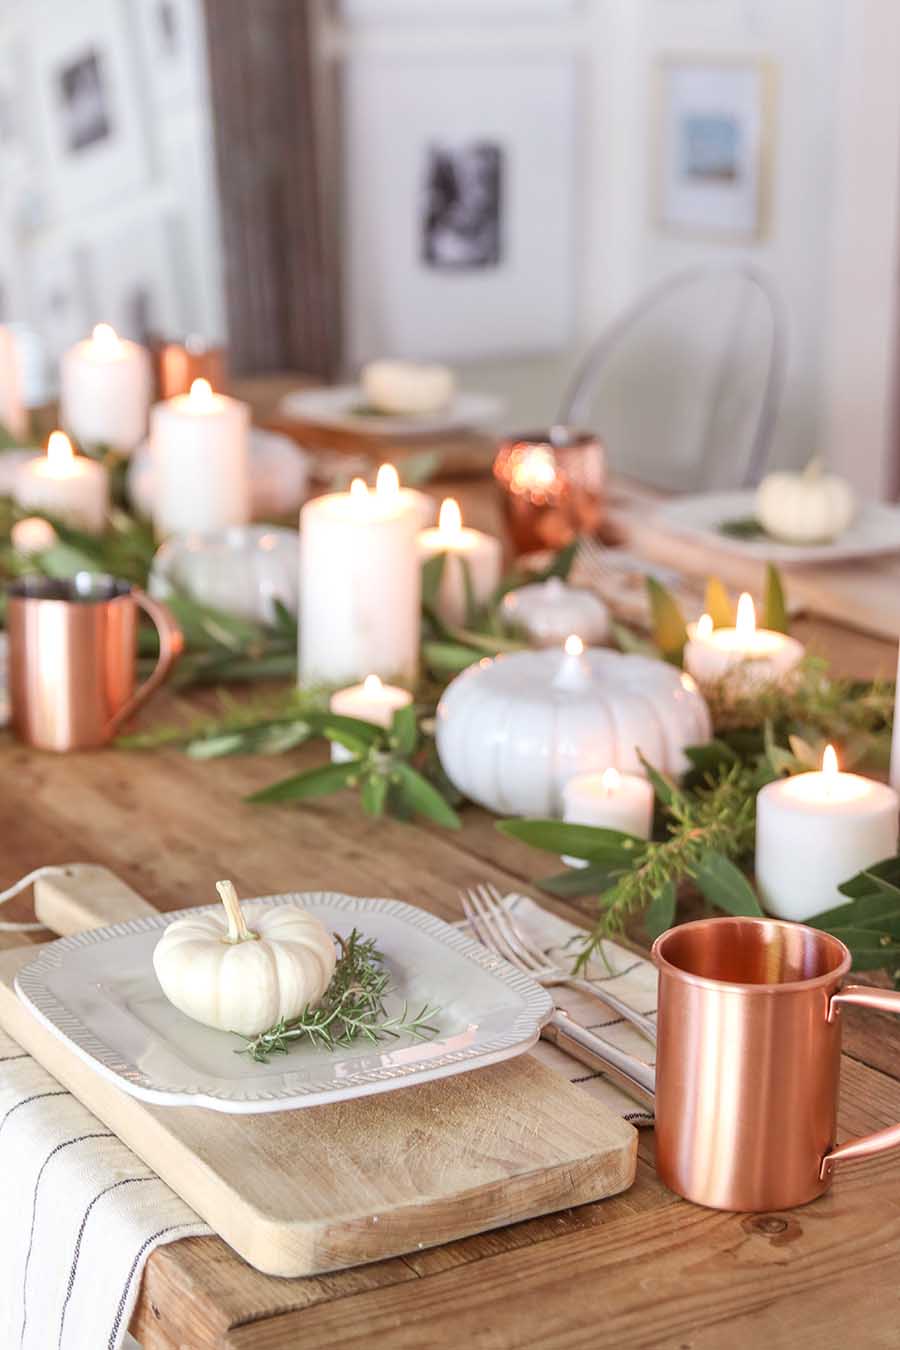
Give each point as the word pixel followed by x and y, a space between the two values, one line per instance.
pixel 748 1062
pixel 72 658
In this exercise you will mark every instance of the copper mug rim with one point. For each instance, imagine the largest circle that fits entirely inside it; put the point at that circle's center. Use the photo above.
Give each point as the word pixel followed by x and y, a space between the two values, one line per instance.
pixel 747 921
pixel 82 588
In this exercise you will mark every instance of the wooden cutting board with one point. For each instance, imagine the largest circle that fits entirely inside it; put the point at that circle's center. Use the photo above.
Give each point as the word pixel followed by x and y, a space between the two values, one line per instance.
pixel 307 1191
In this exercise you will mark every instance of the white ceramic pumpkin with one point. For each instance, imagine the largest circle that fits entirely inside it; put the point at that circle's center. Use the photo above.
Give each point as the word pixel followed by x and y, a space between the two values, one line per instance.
pixel 220 972
pixel 811 507
pixel 510 733
pixel 406 387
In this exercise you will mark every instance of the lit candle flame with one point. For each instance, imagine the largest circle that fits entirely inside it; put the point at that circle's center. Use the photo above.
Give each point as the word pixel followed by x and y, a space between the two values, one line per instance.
pixel 534 468
pixel 829 764
pixel 106 338
pixel 372 684
pixel 574 645
pixel 359 489
pixel 387 481
pixel 745 624
pixel 450 516
pixel 60 454
pixel 704 627
pixel 611 781
pixel 201 393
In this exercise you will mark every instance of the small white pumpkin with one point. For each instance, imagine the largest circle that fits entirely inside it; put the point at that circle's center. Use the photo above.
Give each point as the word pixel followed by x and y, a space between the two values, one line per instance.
pixel 219 972
pixel 406 387
pixel 811 507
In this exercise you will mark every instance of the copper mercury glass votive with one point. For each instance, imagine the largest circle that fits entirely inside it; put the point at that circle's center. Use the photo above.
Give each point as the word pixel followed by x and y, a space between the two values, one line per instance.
pixel 552 484
pixel 178 364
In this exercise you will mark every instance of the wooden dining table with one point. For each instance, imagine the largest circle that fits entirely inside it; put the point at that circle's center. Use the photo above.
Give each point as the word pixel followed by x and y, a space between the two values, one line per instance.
pixel 640 1269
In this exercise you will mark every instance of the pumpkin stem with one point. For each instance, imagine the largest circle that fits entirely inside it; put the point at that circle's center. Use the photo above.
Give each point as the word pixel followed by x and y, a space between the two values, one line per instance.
pixel 813 469
pixel 237 924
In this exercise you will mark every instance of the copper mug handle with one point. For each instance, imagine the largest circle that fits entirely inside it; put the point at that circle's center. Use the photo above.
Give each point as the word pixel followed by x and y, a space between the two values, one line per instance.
pixel 886 1000
pixel 171 645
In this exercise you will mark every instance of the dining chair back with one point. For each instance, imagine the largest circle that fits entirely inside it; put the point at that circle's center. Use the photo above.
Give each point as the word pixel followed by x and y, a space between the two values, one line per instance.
pixel 684 385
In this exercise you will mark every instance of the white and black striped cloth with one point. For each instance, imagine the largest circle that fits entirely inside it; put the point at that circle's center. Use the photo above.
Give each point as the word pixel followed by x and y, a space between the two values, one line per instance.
pixel 79 1215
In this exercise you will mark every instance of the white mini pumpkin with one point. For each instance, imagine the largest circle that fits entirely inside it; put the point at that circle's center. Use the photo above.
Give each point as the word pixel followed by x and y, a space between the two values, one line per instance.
pixel 811 507
pixel 406 387
pixel 219 972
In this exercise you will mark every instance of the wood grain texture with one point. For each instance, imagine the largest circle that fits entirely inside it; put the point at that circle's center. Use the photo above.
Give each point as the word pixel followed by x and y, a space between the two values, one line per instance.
pixel 320 1189
pixel 639 1269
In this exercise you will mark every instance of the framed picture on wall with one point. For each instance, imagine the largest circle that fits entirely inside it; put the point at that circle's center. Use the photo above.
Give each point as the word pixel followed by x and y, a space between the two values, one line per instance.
pixel 90 106
pixel 714 133
pixel 461 204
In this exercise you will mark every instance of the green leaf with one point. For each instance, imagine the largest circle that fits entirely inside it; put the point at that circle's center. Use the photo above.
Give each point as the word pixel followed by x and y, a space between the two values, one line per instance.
pixel 471 609
pixel 374 793
pixel 561 565
pixel 420 467
pixel 337 727
pixel 7 440
pixel 869 911
pixel 725 886
pixel 423 797
pixel 432 576
pixel 315 783
pixel 718 605
pixel 884 875
pixel 590 880
pixel 775 615
pixel 449 658
pixel 667 621
pixel 747 527
pixel 405 729
pixel 714 755
pixel 62 560
pixel 274 739
pixel 869 950
pixel 660 913
pixel 666 790
pixel 579 841
pixel 627 641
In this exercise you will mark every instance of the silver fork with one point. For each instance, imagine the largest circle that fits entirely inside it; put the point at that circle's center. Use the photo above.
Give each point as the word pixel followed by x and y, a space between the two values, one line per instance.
pixel 496 928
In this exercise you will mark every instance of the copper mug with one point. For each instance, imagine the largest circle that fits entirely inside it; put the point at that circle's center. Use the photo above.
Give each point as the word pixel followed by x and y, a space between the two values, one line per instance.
pixel 72 658
pixel 748 1062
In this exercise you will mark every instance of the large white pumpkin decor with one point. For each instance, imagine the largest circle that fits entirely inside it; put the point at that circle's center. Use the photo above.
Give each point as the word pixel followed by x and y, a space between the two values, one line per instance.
pixel 512 731
pixel 219 971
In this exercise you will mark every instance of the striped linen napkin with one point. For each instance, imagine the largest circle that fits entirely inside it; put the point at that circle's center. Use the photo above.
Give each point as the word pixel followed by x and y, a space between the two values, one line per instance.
pixel 82 1213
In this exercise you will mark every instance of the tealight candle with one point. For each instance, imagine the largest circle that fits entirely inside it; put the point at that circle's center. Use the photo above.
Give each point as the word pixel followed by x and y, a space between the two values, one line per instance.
pixel 360 587
pixel 105 390
pixel 612 800
pixel 464 549
pixel 63 484
pixel 548 610
pixel 373 701
pixel 760 655
pixel 32 535
pixel 12 403
pixel 815 831
pixel 200 455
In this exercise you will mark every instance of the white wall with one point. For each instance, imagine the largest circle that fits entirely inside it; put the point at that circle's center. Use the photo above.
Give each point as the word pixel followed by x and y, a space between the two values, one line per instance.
pixel 619 250
pixel 81 230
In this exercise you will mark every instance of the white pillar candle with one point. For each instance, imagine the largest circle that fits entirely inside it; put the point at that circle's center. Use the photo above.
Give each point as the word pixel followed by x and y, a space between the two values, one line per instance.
pixel 464 548
pixel 612 800
pixel 13 416
pixel 32 535
pixel 360 591
pixel 199 449
pixel 106 383
pixel 815 831
pixel 373 701
pixel 387 479
pixel 63 484
pixel 758 655
pixel 548 610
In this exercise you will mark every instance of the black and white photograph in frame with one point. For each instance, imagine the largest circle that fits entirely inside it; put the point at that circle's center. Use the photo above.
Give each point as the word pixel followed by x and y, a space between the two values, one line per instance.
pixel 84 101
pixel 713 146
pixel 460 204
pixel 87 94
pixel 463 203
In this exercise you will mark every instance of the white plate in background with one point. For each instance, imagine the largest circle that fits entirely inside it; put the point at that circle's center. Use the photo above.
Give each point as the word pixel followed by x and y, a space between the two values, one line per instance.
pixel 342 407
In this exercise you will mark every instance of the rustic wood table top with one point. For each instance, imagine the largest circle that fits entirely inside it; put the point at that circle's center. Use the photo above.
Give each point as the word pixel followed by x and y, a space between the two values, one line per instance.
pixel 643 1269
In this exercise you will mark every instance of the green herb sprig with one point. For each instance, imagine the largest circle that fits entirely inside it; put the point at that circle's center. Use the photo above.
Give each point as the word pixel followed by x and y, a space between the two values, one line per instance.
pixel 352 1009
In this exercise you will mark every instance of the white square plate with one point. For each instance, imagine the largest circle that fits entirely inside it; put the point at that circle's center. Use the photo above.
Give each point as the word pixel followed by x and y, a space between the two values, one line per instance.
pixel 97 990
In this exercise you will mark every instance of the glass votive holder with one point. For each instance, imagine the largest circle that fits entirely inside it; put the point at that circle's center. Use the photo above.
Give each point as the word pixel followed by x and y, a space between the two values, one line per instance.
pixel 178 363
pixel 552 484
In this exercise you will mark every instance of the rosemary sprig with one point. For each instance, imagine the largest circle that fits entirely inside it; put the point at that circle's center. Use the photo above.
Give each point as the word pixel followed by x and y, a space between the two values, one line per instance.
pixel 352 1009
